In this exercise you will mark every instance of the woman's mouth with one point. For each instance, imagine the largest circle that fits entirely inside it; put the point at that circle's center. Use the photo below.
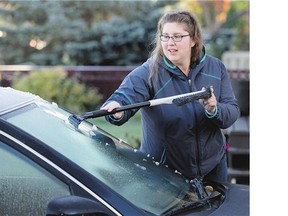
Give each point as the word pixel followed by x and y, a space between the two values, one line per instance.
pixel 172 51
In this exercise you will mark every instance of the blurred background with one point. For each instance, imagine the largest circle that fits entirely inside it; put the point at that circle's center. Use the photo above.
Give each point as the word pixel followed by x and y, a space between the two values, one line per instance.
pixel 76 53
pixel 70 32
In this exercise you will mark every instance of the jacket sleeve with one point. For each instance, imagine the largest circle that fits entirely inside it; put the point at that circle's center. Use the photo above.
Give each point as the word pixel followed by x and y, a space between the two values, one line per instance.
pixel 228 109
pixel 133 89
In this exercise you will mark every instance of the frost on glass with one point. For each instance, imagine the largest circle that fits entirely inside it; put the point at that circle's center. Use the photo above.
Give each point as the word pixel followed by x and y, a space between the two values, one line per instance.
pixel 127 171
pixel 25 188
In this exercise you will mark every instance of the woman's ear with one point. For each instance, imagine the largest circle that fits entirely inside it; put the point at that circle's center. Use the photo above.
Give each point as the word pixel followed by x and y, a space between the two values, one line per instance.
pixel 192 43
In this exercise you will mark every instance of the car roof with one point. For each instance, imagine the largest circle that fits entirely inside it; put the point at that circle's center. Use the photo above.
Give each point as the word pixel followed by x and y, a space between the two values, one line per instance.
pixel 11 99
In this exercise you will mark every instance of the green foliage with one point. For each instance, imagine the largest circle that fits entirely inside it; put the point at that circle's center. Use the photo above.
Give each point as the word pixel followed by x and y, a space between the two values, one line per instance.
pixel 234 33
pixel 77 32
pixel 54 86
pixel 130 132
pixel 101 32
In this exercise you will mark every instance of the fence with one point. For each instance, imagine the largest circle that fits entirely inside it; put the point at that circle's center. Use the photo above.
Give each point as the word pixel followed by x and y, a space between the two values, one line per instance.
pixel 105 78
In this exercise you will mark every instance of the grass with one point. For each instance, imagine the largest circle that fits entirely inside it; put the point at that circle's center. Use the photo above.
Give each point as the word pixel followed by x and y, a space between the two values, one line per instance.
pixel 129 132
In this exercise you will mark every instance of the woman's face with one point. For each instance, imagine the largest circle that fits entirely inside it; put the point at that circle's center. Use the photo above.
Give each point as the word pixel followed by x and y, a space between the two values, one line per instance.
pixel 179 53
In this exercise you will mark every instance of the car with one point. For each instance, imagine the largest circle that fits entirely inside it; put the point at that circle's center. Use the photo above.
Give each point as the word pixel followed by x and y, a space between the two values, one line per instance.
pixel 49 166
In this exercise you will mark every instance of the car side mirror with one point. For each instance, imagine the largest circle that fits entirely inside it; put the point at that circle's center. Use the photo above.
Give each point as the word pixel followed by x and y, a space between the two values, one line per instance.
pixel 75 205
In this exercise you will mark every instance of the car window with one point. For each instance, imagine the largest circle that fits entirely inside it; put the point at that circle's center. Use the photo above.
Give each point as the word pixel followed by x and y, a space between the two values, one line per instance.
pixel 126 171
pixel 25 187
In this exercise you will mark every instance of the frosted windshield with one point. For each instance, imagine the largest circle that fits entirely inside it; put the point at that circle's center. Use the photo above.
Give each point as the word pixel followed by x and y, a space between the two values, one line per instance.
pixel 135 176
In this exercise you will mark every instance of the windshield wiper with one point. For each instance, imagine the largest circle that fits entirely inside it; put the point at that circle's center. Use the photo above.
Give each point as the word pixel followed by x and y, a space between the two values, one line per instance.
pixel 198 187
pixel 208 201
pixel 204 198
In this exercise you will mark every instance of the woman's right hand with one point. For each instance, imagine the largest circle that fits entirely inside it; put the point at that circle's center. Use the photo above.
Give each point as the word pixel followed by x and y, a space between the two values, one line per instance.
pixel 111 106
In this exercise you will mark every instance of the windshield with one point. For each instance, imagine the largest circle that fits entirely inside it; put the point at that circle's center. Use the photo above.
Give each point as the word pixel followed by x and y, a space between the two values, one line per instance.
pixel 145 183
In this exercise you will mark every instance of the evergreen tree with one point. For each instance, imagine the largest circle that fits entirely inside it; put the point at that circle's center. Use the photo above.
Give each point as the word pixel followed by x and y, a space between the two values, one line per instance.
pixel 107 32
pixel 77 32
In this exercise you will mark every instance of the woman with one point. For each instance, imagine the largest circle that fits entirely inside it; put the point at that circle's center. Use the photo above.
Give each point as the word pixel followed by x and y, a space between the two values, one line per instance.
pixel 187 138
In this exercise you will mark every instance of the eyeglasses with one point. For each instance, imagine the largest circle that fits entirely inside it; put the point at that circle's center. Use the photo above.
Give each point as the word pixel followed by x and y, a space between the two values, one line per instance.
pixel 176 38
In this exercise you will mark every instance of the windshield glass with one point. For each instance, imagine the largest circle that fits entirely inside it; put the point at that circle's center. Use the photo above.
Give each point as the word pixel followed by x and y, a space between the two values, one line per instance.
pixel 148 185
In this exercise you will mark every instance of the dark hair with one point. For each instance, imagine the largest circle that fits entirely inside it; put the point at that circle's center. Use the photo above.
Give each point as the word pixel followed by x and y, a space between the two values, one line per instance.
pixel 193 27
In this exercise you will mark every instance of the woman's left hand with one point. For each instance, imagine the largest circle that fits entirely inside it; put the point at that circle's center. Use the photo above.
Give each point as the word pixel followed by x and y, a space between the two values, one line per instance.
pixel 210 103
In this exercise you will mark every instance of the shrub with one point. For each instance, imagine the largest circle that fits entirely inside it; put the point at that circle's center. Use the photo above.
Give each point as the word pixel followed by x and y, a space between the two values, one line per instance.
pixel 55 86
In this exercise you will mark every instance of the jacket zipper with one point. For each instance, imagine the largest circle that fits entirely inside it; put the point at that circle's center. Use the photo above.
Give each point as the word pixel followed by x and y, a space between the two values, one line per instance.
pixel 198 172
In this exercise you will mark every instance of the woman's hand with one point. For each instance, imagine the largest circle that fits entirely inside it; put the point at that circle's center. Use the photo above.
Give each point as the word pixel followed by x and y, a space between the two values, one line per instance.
pixel 210 103
pixel 111 106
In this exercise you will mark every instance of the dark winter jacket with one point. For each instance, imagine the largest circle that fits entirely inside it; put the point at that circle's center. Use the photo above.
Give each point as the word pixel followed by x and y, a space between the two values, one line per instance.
pixel 182 137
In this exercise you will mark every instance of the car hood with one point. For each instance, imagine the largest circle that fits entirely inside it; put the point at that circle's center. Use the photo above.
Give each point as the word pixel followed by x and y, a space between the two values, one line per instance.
pixel 231 204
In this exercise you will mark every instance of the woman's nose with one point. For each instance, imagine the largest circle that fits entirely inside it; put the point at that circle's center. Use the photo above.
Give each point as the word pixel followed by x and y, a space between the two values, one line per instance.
pixel 170 42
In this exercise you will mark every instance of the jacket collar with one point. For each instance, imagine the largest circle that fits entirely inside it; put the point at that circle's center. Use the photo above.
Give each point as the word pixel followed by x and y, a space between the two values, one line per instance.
pixel 201 58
